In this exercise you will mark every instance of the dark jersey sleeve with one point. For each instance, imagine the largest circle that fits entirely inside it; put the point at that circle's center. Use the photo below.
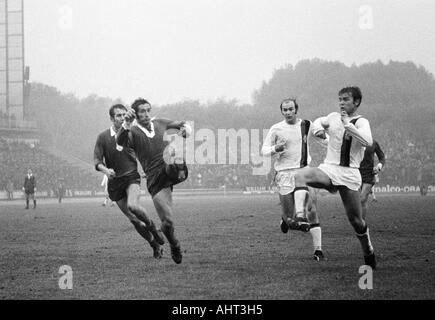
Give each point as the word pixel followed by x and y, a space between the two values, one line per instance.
pixel 380 154
pixel 123 136
pixel 170 124
pixel 98 151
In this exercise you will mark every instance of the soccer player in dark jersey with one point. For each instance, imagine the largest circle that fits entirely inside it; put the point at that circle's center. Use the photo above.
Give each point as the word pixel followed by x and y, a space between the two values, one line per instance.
pixel 120 165
pixel 146 139
pixel 369 171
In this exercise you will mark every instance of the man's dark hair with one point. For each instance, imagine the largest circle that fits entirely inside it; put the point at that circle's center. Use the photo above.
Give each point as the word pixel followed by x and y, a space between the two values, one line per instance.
pixel 290 100
pixel 138 102
pixel 354 91
pixel 116 106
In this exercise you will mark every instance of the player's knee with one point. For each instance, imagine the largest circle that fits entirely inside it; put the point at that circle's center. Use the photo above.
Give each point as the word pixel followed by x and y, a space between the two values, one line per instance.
pixel 299 179
pixel 135 221
pixel 357 224
pixel 364 199
pixel 132 207
pixel 167 223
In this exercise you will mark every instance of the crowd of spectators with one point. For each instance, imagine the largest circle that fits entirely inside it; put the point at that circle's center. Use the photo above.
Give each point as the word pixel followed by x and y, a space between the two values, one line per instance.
pixel 17 157
pixel 231 176
pixel 409 162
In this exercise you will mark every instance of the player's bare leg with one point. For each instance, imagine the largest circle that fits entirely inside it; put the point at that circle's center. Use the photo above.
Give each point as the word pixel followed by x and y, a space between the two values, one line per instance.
pixel 133 193
pixel 312 177
pixel 163 204
pixel 141 228
pixel 352 205
pixel 365 192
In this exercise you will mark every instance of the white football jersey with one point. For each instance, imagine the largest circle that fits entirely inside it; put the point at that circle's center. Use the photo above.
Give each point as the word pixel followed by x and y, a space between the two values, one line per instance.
pixel 292 157
pixel 336 153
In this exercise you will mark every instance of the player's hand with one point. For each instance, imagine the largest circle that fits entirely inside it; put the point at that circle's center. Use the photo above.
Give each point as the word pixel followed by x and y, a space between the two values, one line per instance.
pixel 324 123
pixel 377 168
pixel 320 134
pixel 130 115
pixel 345 118
pixel 185 131
pixel 110 173
pixel 280 146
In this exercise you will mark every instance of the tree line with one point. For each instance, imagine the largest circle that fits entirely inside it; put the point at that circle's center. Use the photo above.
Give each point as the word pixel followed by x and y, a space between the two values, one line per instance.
pixel 396 95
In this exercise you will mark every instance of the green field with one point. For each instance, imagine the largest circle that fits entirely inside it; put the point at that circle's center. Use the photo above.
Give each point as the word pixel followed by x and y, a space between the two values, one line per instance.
pixel 233 247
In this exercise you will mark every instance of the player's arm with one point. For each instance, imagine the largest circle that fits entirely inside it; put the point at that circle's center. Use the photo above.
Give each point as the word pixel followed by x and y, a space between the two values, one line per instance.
pixel 322 138
pixel 185 130
pixel 108 172
pixel 319 127
pixel 99 158
pixel 381 157
pixel 360 131
pixel 123 134
pixel 269 146
pixel 380 154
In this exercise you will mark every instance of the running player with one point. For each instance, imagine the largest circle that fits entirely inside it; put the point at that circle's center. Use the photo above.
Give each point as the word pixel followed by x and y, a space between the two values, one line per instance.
pixel 287 141
pixel 349 134
pixel 369 173
pixel 146 138
pixel 120 166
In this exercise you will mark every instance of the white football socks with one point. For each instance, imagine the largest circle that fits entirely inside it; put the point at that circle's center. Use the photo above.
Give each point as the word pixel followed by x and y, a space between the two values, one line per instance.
pixel 316 233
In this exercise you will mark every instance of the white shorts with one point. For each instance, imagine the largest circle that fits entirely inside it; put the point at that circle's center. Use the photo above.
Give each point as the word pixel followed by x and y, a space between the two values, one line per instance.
pixel 342 176
pixel 285 181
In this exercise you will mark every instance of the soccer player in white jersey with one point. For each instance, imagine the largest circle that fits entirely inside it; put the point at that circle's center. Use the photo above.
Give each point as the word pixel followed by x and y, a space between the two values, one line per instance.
pixel 349 134
pixel 287 143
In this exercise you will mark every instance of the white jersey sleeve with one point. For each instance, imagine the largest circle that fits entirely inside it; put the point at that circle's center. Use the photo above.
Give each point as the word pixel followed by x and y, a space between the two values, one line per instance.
pixel 268 147
pixel 360 131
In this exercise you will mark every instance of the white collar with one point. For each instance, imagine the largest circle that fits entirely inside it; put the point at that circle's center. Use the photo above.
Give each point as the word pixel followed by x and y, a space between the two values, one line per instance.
pixel 298 122
pixel 112 132
pixel 149 134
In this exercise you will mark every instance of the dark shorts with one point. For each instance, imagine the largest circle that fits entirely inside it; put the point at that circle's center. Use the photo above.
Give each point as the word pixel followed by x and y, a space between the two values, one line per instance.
pixel 163 177
pixel 368 177
pixel 117 187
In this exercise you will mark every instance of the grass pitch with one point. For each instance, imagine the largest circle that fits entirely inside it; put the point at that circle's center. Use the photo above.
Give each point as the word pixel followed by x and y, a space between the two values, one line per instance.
pixel 233 249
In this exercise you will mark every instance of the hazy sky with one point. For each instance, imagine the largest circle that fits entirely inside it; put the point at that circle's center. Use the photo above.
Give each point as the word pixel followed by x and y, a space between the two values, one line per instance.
pixel 169 50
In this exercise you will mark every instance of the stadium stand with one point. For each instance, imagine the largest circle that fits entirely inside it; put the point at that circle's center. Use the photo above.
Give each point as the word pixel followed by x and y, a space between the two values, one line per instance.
pixel 17 156
pixel 409 162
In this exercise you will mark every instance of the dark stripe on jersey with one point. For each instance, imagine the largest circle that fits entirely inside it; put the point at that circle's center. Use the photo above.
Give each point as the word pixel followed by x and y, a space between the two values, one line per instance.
pixel 345 148
pixel 305 127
